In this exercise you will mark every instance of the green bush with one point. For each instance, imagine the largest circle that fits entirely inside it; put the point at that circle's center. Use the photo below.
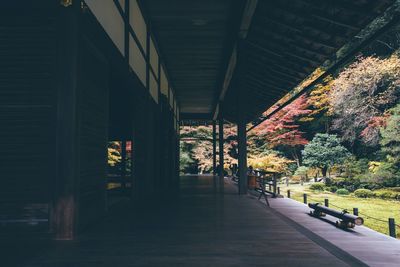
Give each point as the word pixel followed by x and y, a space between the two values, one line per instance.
pixel 363 193
pixel 331 189
pixel 342 191
pixel 385 194
pixel 317 187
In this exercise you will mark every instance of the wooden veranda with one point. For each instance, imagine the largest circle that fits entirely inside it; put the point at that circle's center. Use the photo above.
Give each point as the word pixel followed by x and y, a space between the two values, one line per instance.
pixel 76 74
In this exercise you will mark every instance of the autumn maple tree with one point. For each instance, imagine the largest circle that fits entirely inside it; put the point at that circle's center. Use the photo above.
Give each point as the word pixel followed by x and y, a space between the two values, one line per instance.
pixel 283 128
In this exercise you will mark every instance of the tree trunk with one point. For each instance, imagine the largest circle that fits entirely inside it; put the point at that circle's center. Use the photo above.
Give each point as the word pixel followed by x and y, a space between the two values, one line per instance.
pixel 327 123
pixel 324 171
pixel 296 157
pixel 316 176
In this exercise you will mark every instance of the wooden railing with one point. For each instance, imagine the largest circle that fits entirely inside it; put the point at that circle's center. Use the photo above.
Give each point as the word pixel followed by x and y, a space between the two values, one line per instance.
pixel 118 185
pixel 267 179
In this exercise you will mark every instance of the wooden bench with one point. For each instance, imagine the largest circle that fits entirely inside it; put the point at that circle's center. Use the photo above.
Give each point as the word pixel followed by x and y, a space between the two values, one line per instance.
pixel 261 187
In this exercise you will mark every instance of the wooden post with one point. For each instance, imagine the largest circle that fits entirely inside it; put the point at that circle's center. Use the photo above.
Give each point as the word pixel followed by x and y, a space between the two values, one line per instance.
pixel 221 152
pixel 288 193
pixel 214 136
pixel 279 190
pixel 274 184
pixel 305 198
pixel 242 157
pixel 123 165
pixel 392 227
pixel 355 211
pixel 326 202
pixel 65 205
pixel 149 189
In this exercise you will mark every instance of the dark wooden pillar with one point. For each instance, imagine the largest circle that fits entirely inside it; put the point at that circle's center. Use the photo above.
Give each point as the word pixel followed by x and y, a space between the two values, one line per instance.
pixel 214 136
pixel 133 164
pixel 242 157
pixel 65 203
pixel 123 164
pixel 221 151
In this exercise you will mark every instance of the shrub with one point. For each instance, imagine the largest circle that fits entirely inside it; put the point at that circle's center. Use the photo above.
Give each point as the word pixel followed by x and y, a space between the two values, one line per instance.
pixel 295 179
pixel 363 193
pixel 317 187
pixel 385 194
pixel 331 189
pixel 350 188
pixel 342 191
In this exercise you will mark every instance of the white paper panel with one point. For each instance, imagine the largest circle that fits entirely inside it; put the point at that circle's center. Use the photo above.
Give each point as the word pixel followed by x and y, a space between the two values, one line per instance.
pixel 164 83
pixel 137 22
pixel 110 19
pixel 153 57
pixel 136 60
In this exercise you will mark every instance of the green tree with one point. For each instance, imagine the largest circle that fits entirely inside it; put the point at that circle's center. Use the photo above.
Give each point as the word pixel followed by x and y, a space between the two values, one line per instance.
pixel 389 171
pixel 302 171
pixel 114 155
pixel 324 151
pixel 390 141
pixel 185 160
pixel 360 95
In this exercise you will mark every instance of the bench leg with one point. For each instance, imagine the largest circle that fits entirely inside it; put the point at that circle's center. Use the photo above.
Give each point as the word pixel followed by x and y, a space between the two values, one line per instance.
pixel 266 199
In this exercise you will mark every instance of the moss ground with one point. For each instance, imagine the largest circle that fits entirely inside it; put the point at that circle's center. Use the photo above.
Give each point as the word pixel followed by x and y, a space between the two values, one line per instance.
pixel 369 208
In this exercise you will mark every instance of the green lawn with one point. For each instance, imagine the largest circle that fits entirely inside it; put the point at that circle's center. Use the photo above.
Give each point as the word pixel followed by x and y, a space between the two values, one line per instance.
pixel 369 207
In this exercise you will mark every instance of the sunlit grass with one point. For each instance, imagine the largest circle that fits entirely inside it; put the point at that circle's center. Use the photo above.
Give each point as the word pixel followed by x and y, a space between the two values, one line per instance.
pixel 381 209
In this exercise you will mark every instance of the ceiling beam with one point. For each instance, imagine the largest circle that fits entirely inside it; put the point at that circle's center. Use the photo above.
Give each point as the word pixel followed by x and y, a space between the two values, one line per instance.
pixel 389 19
pixel 243 30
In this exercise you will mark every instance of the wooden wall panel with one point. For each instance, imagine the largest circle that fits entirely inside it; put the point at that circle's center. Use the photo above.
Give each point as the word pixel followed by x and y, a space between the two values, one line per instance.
pixel 164 83
pixel 27 114
pixel 93 132
pixel 140 144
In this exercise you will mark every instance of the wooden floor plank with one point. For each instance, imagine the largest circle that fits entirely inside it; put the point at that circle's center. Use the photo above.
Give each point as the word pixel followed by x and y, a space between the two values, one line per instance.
pixel 204 228
pixel 369 246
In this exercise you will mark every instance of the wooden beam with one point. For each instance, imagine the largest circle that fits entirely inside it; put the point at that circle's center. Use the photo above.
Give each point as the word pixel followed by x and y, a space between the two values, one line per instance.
pixel 275 76
pixel 290 44
pixel 65 204
pixel 377 28
pixel 264 49
pixel 243 30
pixel 336 22
pixel 282 63
pixel 265 86
pixel 242 151
pixel 221 151
pixel 301 34
pixel 214 142
pixel 282 68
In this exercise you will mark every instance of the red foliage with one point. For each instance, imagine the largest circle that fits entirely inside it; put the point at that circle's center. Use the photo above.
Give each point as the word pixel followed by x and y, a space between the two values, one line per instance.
pixel 282 128
pixel 371 133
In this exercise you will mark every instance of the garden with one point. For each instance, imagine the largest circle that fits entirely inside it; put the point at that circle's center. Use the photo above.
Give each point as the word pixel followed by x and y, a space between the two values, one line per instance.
pixel 340 140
